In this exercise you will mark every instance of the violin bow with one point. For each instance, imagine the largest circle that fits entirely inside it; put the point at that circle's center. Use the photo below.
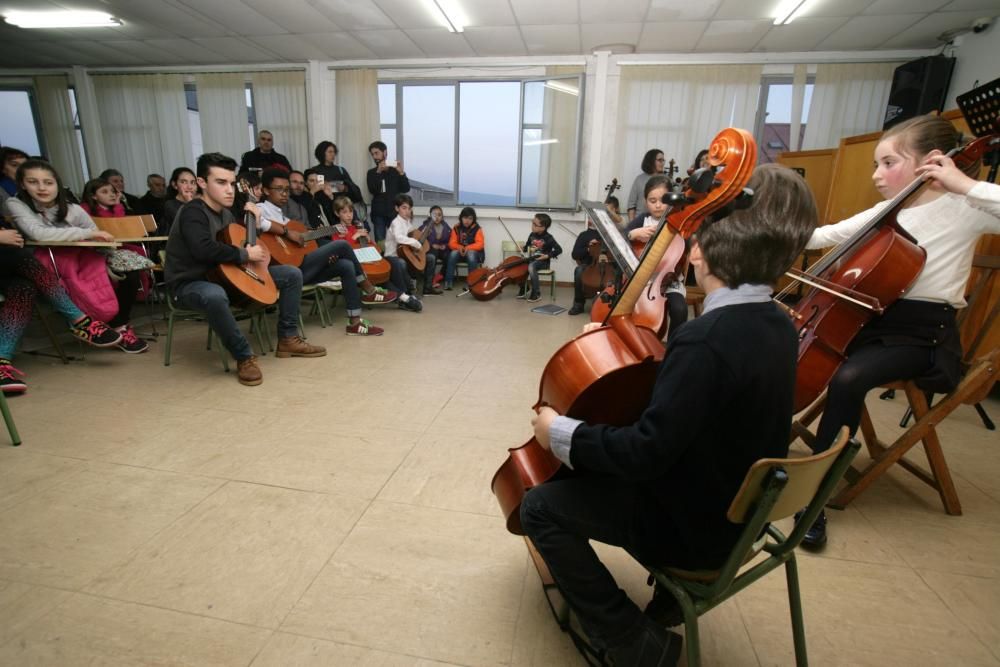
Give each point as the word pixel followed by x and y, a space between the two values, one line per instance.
pixel 516 244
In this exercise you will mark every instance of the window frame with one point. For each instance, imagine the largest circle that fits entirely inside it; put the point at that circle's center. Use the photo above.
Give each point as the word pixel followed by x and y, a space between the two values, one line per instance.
pixel 36 118
pixel 766 81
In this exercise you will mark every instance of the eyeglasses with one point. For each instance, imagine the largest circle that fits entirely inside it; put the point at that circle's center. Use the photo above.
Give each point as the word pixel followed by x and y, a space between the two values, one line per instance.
pixel 280 191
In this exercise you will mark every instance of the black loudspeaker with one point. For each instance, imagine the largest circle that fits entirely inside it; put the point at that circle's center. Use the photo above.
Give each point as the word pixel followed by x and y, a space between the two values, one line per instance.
pixel 918 87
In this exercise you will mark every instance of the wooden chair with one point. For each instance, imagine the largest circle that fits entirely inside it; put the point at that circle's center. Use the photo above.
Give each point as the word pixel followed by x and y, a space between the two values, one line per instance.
pixel 773 489
pixel 980 373
pixel 135 229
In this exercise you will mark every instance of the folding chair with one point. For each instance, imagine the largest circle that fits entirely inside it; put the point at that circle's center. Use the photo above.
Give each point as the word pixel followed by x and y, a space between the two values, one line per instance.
pixel 508 249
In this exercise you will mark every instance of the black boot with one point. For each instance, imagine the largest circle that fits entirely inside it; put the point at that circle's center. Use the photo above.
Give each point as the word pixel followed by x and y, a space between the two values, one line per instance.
pixel 815 537
pixel 652 646
pixel 576 309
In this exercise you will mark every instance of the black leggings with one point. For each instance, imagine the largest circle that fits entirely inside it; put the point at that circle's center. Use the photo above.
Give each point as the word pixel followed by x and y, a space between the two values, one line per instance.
pixel 869 366
pixel 126 290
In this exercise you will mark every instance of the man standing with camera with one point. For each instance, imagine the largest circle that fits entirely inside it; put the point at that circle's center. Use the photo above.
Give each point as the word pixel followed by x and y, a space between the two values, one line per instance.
pixel 385 181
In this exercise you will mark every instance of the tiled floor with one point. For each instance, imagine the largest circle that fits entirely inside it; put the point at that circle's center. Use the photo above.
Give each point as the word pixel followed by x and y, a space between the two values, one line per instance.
pixel 340 514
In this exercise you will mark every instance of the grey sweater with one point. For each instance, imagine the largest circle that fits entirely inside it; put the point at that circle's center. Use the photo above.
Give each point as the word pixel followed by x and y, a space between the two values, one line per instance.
pixel 44 227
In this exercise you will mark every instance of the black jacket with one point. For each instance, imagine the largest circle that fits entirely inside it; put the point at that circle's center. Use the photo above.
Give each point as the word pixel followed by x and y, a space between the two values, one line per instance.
pixel 192 248
pixel 256 160
pixel 384 188
pixel 580 249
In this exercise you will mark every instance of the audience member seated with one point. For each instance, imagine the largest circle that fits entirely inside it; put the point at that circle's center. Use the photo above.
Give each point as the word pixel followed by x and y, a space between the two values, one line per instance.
pixel 130 202
pixel 437 239
pixel 41 213
pixel 264 156
pixel 152 202
pixel 22 278
pixel 581 253
pixel 193 251
pixel 252 180
pixel 466 244
pixel 326 155
pixel 182 189
pixel 101 200
pixel 10 160
pixel 294 208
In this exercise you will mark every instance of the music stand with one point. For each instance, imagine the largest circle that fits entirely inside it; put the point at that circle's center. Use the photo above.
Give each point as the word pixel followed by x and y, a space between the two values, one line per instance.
pixel 981 109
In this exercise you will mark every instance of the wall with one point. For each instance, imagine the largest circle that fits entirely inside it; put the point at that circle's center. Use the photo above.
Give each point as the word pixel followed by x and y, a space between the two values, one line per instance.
pixel 977 56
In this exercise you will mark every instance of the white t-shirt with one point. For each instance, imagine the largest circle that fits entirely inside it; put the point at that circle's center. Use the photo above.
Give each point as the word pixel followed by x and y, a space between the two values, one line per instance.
pixel 948 228
pixel 397 235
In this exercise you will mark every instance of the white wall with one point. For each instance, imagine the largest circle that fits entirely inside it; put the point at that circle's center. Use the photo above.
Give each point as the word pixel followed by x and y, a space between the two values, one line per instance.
pixel 977 58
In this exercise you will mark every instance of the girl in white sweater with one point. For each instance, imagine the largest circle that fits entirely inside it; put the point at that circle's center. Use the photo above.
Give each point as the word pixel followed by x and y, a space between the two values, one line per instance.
pixel 916 338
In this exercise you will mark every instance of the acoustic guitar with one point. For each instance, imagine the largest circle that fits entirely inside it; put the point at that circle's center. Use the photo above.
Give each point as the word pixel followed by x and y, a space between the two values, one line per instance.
pixel 249 285
pixel 286 252
pixel 416 258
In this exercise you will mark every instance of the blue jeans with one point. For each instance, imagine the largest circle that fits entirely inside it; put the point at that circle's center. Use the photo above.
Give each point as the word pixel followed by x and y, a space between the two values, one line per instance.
pixel 432 259
pixel 380 224
pixel 211 299
pixel 336 259
pixel 472 258
pixel 533 269
pixel 399 277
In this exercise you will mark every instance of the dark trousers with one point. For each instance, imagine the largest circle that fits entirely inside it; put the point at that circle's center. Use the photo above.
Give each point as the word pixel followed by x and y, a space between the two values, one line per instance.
pixel 126 290
pixel 211 299
pixel 399 277
pixel 560 517
pixel 336 259
pixel 868 367
pixel 431 268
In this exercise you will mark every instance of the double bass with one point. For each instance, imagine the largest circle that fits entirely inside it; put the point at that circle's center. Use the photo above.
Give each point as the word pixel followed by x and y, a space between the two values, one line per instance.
pixel 606 375
pixel 856 281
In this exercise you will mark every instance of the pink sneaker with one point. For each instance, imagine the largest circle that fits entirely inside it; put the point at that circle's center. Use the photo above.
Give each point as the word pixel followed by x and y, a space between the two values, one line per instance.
pixel 11 381
pixel 130 343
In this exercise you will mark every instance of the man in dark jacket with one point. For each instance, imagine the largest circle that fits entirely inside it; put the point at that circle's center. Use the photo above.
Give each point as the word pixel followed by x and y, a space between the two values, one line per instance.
pixel 384 183
pixel 264 156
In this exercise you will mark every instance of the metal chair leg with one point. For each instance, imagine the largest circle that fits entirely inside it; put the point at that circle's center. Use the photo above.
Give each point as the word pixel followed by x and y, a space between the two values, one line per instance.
pixel 8 418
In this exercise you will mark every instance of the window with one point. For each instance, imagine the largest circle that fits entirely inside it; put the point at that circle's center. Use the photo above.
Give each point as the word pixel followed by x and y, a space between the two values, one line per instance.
pixel 78 131
pixel 774 116
pixel 486 143
pixel 19 124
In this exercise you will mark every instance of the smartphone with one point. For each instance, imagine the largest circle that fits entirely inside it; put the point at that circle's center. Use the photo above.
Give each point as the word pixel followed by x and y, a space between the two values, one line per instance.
pixel 320 178
pixel 391 164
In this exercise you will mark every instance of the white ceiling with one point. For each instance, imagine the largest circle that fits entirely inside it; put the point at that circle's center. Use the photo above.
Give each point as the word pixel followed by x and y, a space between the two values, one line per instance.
pixel 203 32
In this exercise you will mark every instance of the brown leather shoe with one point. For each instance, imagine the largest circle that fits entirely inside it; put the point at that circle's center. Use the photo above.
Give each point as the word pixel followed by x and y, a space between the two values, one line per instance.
pixel 248 372
pixel 294 346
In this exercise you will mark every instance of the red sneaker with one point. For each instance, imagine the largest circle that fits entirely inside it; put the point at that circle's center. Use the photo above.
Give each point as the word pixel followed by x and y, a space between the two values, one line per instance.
pixel 364 328
pixel 379 297
pixel 11 381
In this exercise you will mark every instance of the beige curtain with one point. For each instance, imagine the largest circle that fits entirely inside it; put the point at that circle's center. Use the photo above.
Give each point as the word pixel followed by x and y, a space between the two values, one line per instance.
pixel 145 125
pixel 279 100
pixel 357 119
pixel 222 111
pixel 679 109
pixel 56 114
pixel 848 99
pixel 556 154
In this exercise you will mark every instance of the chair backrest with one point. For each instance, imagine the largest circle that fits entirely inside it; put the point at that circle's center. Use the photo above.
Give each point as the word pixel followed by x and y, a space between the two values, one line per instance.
pixel 508 246
pixel 978 319
pixel 128 227
pixel 805 475
pixel 149 222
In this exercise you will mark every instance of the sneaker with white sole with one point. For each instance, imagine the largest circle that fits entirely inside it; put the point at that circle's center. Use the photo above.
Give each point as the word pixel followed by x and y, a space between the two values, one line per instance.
pixel 364 328
pixel 96 333
pixel 130 343
pixel 379 297
pixel 12 380
pixel 412 304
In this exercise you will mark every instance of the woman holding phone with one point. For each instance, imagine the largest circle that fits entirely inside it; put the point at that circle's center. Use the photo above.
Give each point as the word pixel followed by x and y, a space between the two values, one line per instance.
pixel 340 181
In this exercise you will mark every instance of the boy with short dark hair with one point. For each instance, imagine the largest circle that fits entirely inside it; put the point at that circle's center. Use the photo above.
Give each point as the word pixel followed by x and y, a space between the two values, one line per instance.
pixel 722 400
pixel 543 247
pixel 193 251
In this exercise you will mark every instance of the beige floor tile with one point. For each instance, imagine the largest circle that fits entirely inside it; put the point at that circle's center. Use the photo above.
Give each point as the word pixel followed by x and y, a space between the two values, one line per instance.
pixel 21 605
pixel 467 416
pixel 423 582
pixel 87 630
pixel 285 650
pixel 974 600
pixel 71 532
pixel 448 472
pixel 246 554
pixel 353 465
pixel 24 473
pixel 852 537
pixel 858 614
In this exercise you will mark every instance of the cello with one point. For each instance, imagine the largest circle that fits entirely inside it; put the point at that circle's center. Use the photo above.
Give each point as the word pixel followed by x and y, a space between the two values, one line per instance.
pixel 485 283
pixel 854 282
pixel 607 374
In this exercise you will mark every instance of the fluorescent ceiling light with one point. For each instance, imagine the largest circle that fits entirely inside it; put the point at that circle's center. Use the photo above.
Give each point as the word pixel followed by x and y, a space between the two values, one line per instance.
pixel 449 14
pixel 67 19
pixel 788 11
pixel 563 87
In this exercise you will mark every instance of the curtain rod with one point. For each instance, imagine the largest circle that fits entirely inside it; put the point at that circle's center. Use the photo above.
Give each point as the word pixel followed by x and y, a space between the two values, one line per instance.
pixel 785 58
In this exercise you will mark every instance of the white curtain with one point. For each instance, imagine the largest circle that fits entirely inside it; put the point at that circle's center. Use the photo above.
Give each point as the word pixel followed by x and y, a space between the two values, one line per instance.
pixel 61 146
pixel 279 102
pixel 848 99
pixel 222 110
pixel 357 119
pixel 145 125
pixel 679 109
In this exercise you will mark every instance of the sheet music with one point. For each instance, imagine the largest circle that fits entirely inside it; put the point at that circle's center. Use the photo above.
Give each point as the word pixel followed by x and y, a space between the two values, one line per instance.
pixel 613 238
pixel 367 254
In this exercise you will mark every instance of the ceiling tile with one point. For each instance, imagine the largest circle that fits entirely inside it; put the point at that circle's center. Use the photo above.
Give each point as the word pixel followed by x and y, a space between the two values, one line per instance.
pixel 621 11
pixel 923 34
pixel 289 47
pixel 185 48
pixel 339 45
pixel 439 43
pixel 548 13
pixel 237 17
pixel 973 5
pixel 732 35
pixel 682 10
pixel 499 41
pixel 100 54
pixel 803 34
pixel 551 39
pixel 238 50
pixel 175 20
pixel 295 16
pixel 389 43
pixel 593 36
pixel 406 14
pixel 868 32
pixel 354 14
pixel 488 13
pixel 819 8
pixel 671 37
pixel 904 6
pixel 746 9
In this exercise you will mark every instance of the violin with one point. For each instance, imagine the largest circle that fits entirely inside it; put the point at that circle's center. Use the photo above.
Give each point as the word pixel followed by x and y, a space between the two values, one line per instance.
pixel 606 375
pixel 856 281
